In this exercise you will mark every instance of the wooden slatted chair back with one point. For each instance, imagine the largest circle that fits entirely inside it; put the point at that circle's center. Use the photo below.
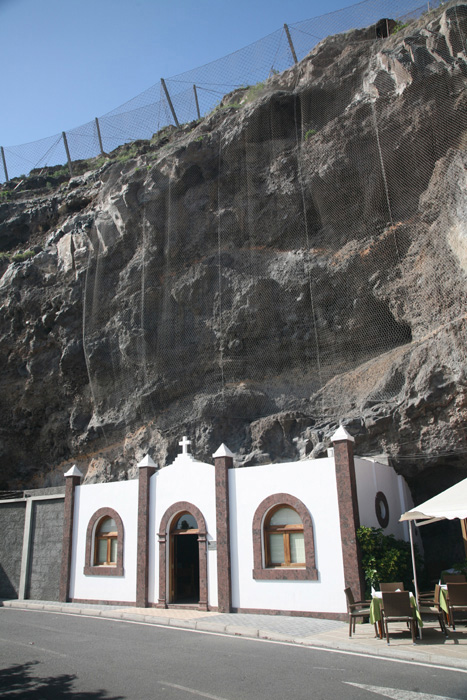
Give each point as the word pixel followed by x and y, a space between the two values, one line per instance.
pixel 454 578
pixel 397 604
pixel 457 593
pixel 350 597
pixel 394 586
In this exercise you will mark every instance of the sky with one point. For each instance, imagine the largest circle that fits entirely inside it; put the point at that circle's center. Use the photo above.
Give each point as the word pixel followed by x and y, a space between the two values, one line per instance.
pixel 65 62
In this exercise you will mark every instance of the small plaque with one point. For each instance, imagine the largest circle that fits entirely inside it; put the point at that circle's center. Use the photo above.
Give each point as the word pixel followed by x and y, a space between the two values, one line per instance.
pixel 212 545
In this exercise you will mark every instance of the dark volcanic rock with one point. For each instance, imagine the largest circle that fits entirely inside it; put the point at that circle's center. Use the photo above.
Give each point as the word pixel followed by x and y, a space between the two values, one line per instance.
pixel 289 262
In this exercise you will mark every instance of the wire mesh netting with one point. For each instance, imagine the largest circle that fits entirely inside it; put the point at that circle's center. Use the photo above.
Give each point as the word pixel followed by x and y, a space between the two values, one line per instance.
pixel 293 243
pixel 299 231
pixel 148 112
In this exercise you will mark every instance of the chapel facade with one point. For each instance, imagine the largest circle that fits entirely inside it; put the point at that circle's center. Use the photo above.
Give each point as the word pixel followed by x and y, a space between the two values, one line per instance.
pixel 276 538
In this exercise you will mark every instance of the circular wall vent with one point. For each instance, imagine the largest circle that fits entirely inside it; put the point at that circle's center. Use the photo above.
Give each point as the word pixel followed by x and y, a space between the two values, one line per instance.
pixel 382 509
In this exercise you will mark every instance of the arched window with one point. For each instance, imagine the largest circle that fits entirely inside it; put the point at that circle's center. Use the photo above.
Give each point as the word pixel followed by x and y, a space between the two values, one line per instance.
pixel 283 540
pixel 104 544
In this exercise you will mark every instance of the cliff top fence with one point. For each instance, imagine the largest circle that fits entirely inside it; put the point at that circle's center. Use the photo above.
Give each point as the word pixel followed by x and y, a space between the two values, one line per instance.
pixel 188 96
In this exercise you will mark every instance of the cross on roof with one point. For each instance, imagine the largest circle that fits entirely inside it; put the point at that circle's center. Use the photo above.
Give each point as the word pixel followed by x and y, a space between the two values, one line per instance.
pixel 184 444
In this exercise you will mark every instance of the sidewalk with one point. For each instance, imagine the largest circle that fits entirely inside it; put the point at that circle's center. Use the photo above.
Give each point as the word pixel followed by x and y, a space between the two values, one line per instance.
pixel 433 648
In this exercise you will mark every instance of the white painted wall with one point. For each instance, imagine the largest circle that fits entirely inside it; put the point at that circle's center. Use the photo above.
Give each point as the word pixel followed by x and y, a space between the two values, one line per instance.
pixel 314 483
pixel 373 477
pixel 184 480
pixel 122 496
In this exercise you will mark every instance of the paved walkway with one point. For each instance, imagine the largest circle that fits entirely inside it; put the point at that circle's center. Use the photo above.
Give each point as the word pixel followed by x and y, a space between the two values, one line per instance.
pixel 433 648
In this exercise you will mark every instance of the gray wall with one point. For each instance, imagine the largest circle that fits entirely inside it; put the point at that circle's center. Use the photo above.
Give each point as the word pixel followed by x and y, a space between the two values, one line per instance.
pixel 46 550
pixel 11 545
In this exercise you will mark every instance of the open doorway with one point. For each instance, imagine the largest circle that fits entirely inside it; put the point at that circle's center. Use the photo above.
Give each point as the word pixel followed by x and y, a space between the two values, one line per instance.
pixel 184 560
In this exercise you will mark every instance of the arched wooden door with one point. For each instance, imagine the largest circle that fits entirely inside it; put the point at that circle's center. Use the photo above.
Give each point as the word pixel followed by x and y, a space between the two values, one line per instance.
pixel 171 531
pixel 184 560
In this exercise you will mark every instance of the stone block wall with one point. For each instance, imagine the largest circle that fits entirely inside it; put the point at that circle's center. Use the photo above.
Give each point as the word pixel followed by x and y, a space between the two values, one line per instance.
pixel 46 550
pixel 11 543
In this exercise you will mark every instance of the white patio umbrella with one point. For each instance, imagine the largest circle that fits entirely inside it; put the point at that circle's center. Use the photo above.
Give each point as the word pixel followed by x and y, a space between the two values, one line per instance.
pixel 447 505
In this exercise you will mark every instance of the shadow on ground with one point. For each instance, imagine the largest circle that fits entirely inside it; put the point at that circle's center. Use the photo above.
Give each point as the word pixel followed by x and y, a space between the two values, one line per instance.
pixel 19 681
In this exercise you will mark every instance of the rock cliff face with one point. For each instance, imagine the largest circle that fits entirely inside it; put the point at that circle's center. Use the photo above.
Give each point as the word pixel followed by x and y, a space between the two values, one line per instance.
pixel 295 259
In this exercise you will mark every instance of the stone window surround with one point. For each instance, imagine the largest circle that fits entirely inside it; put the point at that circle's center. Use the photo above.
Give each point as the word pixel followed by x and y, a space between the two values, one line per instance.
pixel 90 569
pixel 260 572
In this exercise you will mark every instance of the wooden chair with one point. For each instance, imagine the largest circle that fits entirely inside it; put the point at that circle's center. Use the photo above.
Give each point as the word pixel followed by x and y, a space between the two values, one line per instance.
pixel 397 608
pixel 391 587
pixel 432 607
pixel 454 578
pixel 426 596
pixel 457 600
pixel 356 608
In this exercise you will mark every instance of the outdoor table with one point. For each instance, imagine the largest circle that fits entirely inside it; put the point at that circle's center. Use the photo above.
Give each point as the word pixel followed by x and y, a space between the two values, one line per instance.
pixel 375 611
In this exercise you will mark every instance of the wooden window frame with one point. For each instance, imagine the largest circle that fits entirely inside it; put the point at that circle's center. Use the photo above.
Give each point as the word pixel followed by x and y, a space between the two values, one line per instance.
pixel 295 572
pixel 108 537
pixel 90 567
pixel 286 531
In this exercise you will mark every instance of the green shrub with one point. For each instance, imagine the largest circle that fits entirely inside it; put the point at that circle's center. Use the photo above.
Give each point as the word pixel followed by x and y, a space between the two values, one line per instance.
pixel 253 92
pixel 21 257
pixel 384 558
pixel 398 26
pixel 4 257
pixel 309 134
pixel 60 172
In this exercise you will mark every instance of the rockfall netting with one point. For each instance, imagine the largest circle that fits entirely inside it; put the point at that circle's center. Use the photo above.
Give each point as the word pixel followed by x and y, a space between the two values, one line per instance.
pixel 310 238
pixel 291 251
pixel 150 111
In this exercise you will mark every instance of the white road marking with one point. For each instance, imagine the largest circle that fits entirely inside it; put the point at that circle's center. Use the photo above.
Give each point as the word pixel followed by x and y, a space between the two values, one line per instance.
pixel 33 645
pixel 399 694
pixel 297 645
pixel 191 690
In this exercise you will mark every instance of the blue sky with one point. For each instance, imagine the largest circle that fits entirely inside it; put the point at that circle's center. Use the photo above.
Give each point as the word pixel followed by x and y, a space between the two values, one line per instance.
pixel 65 62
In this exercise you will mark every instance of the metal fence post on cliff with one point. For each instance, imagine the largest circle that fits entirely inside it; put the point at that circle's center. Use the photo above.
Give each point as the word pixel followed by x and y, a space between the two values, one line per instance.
pixel 67 152
pixel 292 48
pixel 196 100
pixel 169 101
pixel 4 164
pixel 99 136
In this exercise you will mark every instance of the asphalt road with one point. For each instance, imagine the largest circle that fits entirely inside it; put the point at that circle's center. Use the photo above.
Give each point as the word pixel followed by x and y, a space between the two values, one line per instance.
pixel 48 656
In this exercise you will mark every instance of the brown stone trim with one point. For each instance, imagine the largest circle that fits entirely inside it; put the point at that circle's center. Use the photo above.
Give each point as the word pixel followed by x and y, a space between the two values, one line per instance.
pixel 309 571
pixel 142 554
pixel 89 568
pixel 67 542
pixel 341 617
pixel 170 513
pixel 224 585
pixel 88 601
pixel 348 516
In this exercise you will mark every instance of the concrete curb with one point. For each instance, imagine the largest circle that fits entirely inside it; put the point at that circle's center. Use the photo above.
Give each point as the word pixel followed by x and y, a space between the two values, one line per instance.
pixel 379 650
